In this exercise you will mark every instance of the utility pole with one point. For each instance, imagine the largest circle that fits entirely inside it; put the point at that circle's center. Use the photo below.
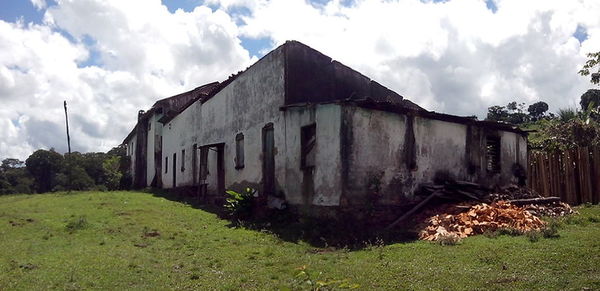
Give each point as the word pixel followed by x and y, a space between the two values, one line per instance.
pixel 67 121
pixel 69 147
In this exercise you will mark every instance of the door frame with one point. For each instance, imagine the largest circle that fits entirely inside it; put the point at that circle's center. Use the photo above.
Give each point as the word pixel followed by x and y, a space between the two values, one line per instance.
pixel 268 174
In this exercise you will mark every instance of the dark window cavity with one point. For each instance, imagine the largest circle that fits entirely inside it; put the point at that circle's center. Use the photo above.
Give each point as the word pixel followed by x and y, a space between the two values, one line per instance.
pixel 308 139
pixel 239 151
pixel 182 160
pixel 492 154
pixel 166 165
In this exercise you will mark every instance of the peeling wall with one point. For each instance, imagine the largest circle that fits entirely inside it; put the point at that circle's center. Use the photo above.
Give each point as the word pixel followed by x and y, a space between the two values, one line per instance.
pixel 180 134
pixel 377 150
pixel 322 184
pixel 131 153
pixel 245 106
pixel 362 156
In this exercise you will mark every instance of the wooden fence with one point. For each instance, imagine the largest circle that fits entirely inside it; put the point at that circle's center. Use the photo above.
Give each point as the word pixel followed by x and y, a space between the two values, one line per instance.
pixel 574 175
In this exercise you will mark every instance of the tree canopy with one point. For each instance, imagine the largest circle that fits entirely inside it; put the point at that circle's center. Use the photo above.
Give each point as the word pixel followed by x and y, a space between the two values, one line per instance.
pixel 590 99
pixel 47 170
pixel 589 66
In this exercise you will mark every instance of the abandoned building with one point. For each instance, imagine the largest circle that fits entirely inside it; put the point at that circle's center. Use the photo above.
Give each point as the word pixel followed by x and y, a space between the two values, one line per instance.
pixel 305 129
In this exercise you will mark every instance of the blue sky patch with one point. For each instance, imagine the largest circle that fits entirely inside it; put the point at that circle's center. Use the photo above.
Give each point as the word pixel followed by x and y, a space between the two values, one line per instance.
pixel 94 59
pixel 236 12
pixel 11 11
pixel 185 5
pixel 580 33
pixel 257 46
pixel 491 5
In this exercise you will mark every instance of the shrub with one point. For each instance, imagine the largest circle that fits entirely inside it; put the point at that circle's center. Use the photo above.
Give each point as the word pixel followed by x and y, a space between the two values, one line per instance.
pixel 76 224
pixel 534 235
pixel 509 231
pixel 551 230
pixel 239 205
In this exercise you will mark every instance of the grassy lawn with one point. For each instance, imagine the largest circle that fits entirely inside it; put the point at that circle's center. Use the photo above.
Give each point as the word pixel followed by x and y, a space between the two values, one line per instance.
pixel 133 240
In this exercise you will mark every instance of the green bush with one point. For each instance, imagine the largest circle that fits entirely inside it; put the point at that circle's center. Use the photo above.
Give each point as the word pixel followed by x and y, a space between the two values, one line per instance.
pixel 239 205
pixel 551 230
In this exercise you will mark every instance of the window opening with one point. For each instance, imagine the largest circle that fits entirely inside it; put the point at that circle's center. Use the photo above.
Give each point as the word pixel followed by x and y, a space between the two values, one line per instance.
pixel 308 139
pixel 492 154
pixel 182 160
pixel 239 151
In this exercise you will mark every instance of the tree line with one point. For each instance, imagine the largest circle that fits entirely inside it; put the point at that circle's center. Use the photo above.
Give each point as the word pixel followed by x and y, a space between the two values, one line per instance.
pixel 49 171
pixel 567 128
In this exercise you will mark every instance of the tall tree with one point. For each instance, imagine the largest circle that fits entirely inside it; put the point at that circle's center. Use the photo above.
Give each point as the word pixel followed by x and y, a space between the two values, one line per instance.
pixel 11 163
pixel 537 110
pixel 589 67
pixel 44 165
pixel 590 99
pixel 497 113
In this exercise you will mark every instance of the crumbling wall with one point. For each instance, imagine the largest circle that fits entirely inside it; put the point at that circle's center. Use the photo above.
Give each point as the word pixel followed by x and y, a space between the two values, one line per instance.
pixel 181 133
pixel 246 105
pixel 150 148
pixel 319 185
pixel 312 77
pixel 141 133
pixel 387 155
pixel 130 142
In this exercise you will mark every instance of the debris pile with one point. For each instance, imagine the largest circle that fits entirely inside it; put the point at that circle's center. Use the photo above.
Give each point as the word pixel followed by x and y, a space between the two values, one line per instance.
pixel 554 209
pixel 513 192
pixel 479 219
pixel 455 190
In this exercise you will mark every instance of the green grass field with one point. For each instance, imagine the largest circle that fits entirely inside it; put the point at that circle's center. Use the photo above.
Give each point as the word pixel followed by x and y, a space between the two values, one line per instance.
pixel 133 240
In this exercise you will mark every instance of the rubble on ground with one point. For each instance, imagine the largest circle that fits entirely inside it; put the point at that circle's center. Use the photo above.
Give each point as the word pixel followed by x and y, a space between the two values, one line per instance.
pixel 512 192
pixel 480 218
pixel 470 209
pixel 555 209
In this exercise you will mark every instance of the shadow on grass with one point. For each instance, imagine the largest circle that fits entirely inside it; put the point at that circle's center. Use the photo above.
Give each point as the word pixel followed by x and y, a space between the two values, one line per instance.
pixel 344 231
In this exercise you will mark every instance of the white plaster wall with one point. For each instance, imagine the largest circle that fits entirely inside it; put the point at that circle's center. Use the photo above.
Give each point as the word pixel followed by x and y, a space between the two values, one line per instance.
pixel 377 170
pixel 375 163
pixel 509 155
pixel 150 169
pixel 326 173
pixel 245 105
pixel 179 134
pixel 441 146
pixel 131 153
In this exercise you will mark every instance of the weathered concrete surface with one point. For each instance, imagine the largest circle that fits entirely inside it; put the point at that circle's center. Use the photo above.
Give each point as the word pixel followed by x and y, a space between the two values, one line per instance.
pixel 130 142
pixel 322 184
pixel 372 147
pixel 376 153
pixel 245 106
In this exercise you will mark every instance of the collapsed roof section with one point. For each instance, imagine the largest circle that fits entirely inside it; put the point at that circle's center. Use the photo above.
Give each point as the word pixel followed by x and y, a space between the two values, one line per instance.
pixel 314 78
pixel 174 105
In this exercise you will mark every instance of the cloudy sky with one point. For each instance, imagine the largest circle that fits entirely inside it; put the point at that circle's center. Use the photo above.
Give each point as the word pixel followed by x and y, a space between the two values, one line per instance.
pixel 111 58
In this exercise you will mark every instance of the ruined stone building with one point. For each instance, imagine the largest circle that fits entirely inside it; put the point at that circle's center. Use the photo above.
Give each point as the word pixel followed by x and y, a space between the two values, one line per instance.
pixel 305 129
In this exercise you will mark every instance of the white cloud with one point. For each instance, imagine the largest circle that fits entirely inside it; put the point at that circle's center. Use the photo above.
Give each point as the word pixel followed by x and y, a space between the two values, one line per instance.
pixel 145 52
pixel 455 56
pixel 39 4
